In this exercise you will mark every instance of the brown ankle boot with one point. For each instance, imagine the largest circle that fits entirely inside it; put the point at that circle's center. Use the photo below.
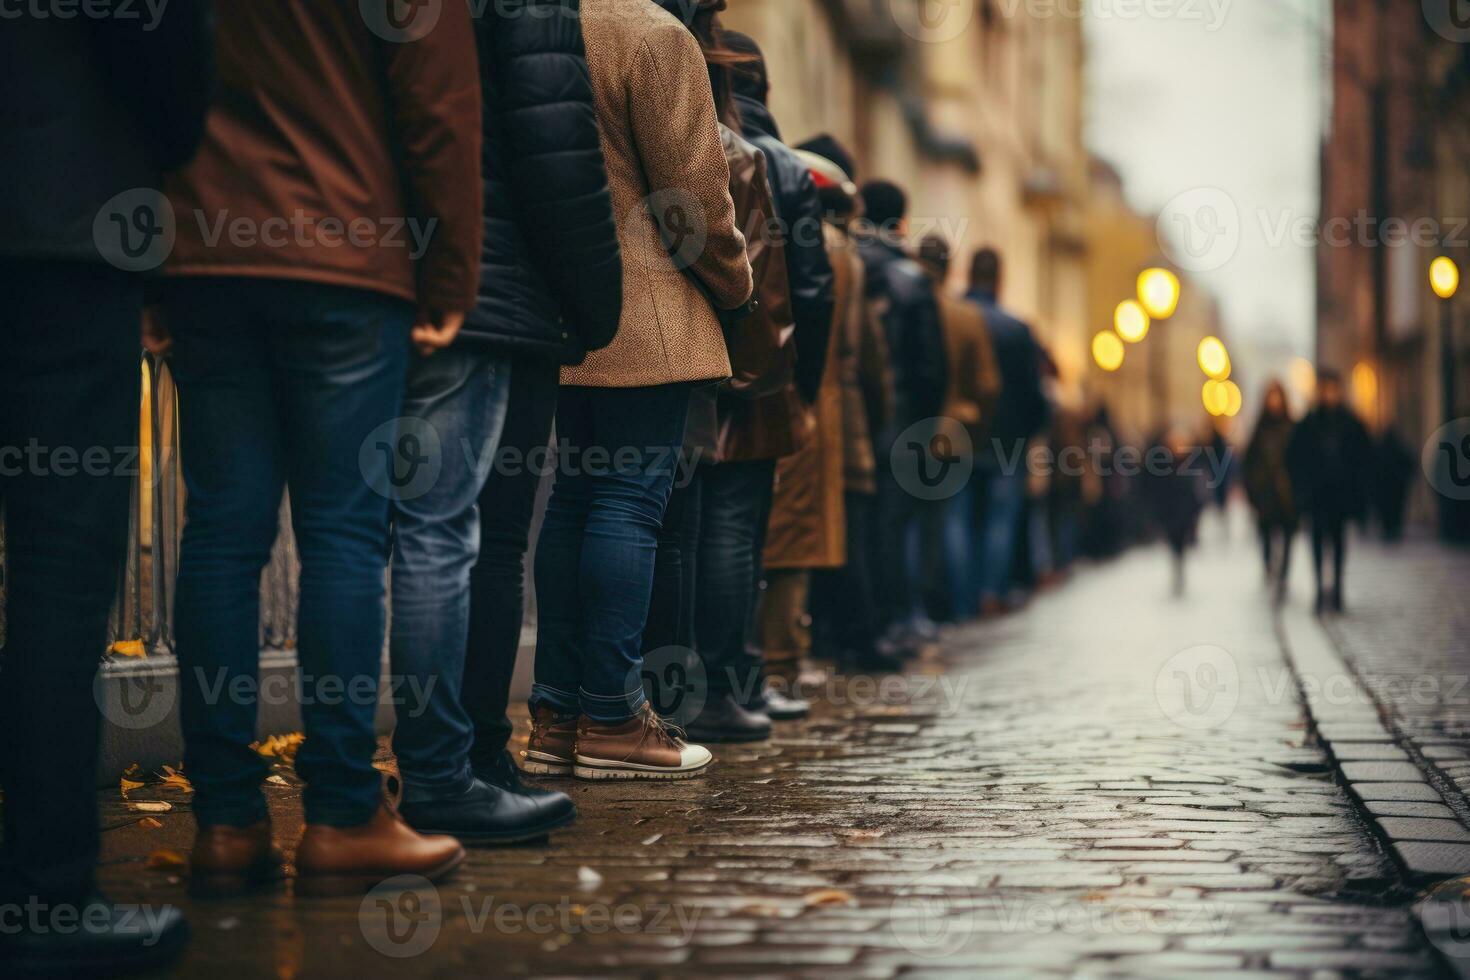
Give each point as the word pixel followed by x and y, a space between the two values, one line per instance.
pixel 234 860
pixel 643 747
pixel 552 745
pixel 343 860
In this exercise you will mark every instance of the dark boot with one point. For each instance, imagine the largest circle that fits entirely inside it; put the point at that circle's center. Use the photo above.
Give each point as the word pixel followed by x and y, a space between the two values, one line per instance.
pixel 486 814
pixel 101 939
pixel 725 720
pixel 229 861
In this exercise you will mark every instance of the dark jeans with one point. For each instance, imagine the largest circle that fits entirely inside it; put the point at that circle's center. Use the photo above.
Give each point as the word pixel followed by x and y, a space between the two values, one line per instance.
pixel 1276 537
pixel 69 363
pixel 453 409
pixel 498 579
pixel 617 461
pixel 735 505
pixel 842 599
pixel 671 612
pixel 284 384
pixel 1329 533
pixel 897 574
pixel 1005 502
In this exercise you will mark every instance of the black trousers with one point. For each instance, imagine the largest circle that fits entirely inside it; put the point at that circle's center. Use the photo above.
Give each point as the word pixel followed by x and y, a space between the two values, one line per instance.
pixel 1329 531
pixel 842 599
pixel 675 571
pixel 69 389
pixel 1276 536
pixel 735 506
pixel 498 579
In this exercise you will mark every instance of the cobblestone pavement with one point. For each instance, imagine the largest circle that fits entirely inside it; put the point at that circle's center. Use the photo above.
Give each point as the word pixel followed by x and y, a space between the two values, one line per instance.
pixel 1111 782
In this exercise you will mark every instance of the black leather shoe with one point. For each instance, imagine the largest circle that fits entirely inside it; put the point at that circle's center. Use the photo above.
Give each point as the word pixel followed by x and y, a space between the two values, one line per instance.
pixel 94 938
pixel 502 772
pixel 785 707
pixel 871 661
pixel 487 814
pixel 723 720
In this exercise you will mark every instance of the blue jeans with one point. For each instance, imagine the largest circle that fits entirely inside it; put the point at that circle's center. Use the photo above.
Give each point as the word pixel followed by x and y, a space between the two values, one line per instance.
pixel 454 409
pixel 959 553
pixel 1004 500
pixel 617 453
pixel 283 384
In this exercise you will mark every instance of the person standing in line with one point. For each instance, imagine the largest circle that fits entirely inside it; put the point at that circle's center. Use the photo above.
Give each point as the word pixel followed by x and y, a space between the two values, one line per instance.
pixel 1268 487
pixel 843 599
pixel 622 411
pixel 108 107
pixel 1178 496
pixel 1019 415
pixel 291 351
pixel 1328 457
pixel 972 393
pixel 1394 466
pixel 550 290
pixel 904 302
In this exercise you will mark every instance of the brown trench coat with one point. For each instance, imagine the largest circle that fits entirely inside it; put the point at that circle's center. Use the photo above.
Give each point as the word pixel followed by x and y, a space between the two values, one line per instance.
pixel 974 376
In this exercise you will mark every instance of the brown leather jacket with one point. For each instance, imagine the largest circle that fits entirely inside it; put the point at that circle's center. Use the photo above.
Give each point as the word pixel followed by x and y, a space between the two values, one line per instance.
pixel 775 423
pixel 335 154
pixel 974 377
pixel 866 376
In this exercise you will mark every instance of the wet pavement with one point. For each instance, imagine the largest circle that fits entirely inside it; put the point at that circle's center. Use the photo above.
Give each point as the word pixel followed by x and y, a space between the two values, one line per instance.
pixel 1110 782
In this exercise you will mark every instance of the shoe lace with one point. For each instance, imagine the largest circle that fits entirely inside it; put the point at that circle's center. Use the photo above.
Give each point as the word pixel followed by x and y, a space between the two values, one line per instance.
pixel 665 731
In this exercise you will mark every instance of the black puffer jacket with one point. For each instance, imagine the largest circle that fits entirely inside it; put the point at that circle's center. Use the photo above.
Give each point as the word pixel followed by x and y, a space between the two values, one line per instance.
pixel 551 280
pixel 807 267
pixel 903 297
pixel 109 105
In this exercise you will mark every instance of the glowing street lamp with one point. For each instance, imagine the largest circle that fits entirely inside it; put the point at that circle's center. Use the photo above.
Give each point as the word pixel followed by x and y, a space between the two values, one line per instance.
pixel 1215 397
pixel 1158 291
pixel 1108 351
pixel 1444 277
pixel 1130 321
pixel 1214 359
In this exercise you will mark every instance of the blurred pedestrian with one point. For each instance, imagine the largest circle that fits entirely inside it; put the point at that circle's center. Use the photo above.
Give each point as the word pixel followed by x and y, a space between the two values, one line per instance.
pixel 1177 492
pixel 904 299
pixel 1020 414
pixel 97 108
pixel 550 290
pixel 291 353
pixel 621 415
pixel 843 600
pixel 972 390
pixel 1268 486
pixel 1328 457
pixel 1393 471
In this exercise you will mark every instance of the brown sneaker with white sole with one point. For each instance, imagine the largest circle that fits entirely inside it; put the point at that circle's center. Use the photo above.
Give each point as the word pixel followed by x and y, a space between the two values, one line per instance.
pixel 643 747
pixel 553 744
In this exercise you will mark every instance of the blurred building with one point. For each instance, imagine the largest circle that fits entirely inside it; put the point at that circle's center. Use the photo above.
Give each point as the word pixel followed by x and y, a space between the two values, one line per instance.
pixel 1395 195
pixel 975 106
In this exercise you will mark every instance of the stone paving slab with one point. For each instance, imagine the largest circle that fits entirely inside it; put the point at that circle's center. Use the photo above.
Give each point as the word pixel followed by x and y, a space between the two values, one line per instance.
pixel 1109 783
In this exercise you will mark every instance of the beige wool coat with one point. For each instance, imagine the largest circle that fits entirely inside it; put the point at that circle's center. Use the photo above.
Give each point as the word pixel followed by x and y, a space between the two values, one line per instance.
pixel 665 167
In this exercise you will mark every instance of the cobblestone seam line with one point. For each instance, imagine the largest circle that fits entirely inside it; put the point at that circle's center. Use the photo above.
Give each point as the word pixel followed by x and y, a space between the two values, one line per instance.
pixel 1401 803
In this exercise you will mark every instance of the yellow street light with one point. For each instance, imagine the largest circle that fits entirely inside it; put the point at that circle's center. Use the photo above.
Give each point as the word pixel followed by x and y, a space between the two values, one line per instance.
pixel 1444 277
pixel 1107 351
pixel 1214 359
pixel 1234 400
pixel 1303 376
pixel 1215 397
pixel 1130 321
pixel 1158 291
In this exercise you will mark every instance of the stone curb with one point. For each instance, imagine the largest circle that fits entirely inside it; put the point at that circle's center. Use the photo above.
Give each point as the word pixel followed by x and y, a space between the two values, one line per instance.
pixel 1397 797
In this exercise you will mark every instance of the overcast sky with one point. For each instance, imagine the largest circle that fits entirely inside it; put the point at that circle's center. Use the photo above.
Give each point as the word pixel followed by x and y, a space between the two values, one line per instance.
pixel 1223 95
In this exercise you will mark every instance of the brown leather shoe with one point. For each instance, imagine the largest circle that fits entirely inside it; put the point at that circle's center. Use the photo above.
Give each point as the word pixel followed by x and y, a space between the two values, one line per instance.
pixel 234 860
pixel 343 860
pixel 643 747
pixel 553 743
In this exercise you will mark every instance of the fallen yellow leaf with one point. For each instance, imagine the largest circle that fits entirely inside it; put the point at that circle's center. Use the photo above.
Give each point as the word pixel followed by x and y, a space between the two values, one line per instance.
pixel 166 859
pixel 128 785
pixel 823 897
pixel 128 648
pixel 150 823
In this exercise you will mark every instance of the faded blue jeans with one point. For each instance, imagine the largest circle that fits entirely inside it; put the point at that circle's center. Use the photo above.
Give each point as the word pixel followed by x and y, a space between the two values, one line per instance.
pixel 1005 498
pixel 453 415
pixel 283 383
pixel 617 458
